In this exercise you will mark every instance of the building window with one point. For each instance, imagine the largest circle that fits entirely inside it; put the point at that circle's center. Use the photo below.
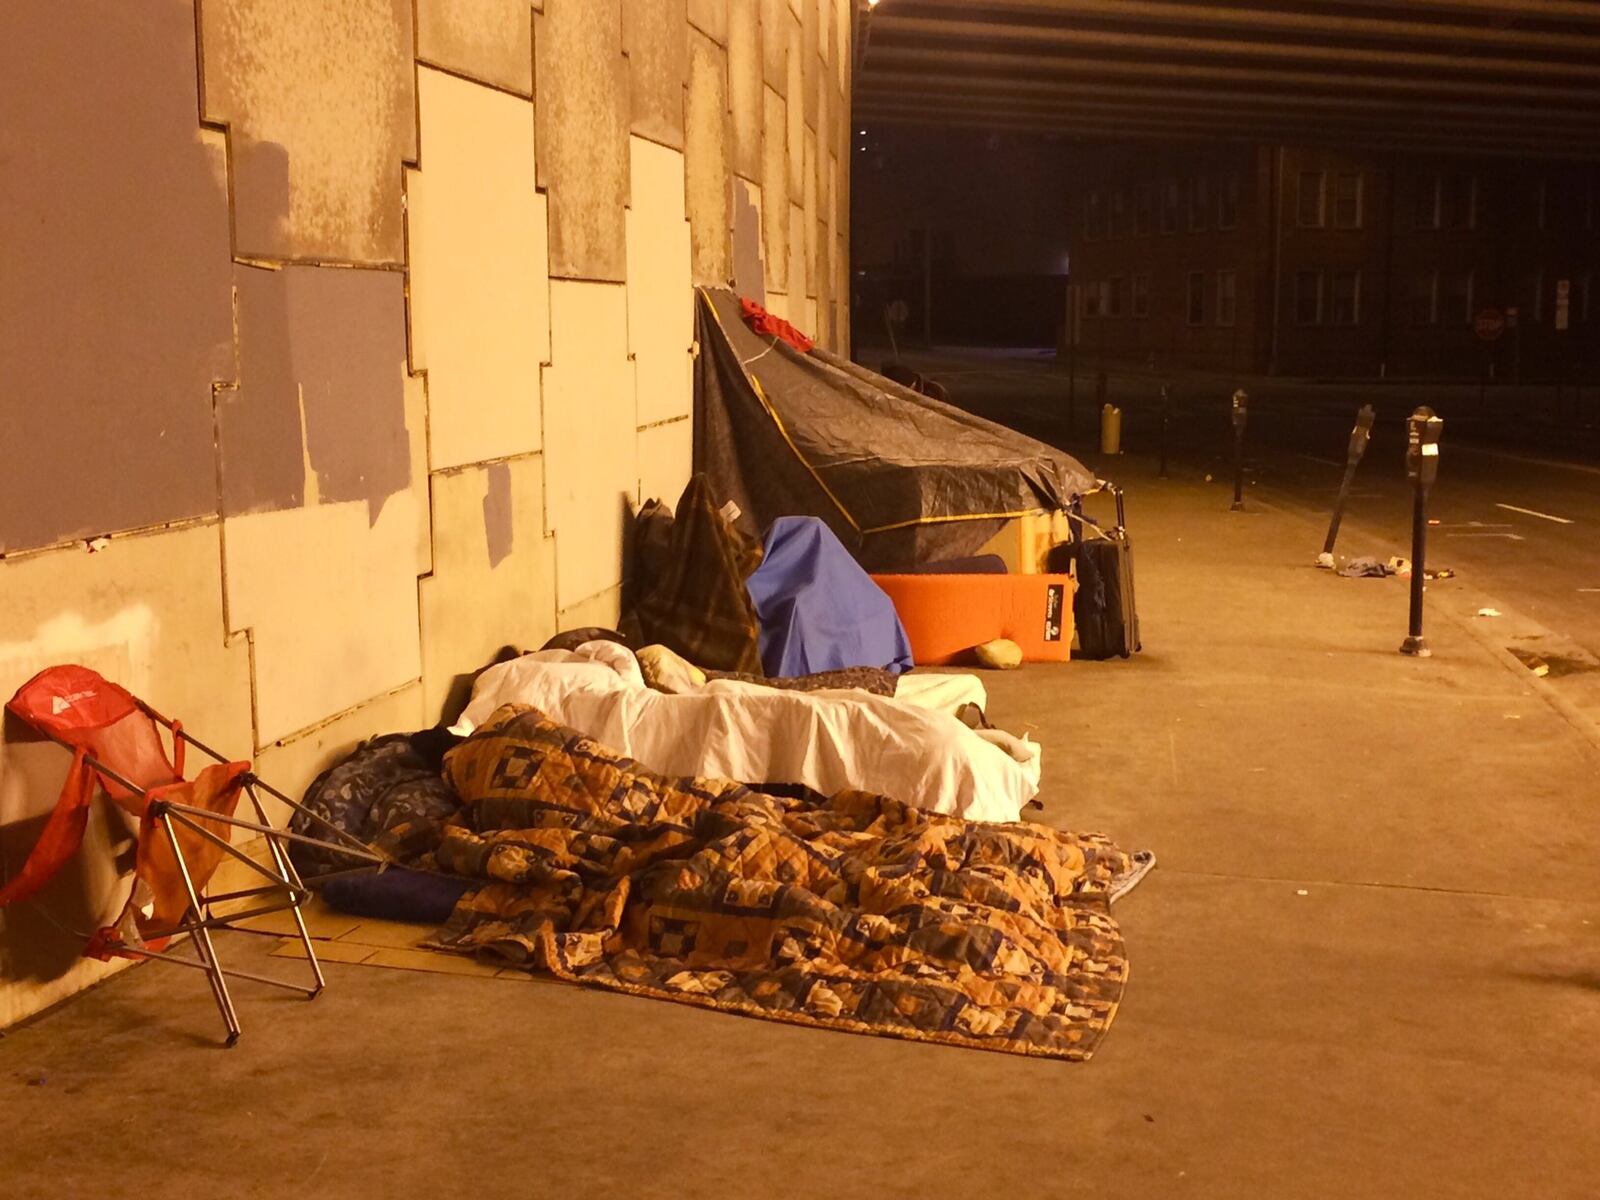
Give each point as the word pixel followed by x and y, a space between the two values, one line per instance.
pixel 1311 204
pixel 1585 286
pixel 1142 212
pixel 1530 297
pixel 1228 203
pixel 1141 295
pixel 1461 202
pixel 1227 298
pixel 1539 203
pixel 1094 217
pixel 1308 298
pixel 1119 214
pixel 1104 307
pixel 1427 209
pixel 1091 299
pixel 1199 204
pixel 1345 298
pixel 1347 199
pixel 1171 201
pixel 1118 296
pixel 1425 299
pixel 1197 297
pixel 1456 298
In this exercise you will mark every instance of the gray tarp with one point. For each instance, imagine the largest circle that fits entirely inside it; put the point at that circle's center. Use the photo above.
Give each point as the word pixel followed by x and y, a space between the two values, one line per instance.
pixel 900 478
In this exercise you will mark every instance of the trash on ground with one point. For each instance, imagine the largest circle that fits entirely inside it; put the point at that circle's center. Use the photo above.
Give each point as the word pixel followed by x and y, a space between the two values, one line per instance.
pixel 1325 561
pixel 1488 612
pixel 999 654
pixel 1366 567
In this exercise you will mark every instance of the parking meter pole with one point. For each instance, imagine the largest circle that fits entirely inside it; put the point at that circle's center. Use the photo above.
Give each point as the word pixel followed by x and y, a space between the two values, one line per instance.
pixel 1359 437
pixel 1241 416
pixel 1422 463
pixel 1165 397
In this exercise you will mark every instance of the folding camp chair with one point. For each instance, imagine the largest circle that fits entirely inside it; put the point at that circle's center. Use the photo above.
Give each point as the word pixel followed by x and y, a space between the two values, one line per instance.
pixel 185 828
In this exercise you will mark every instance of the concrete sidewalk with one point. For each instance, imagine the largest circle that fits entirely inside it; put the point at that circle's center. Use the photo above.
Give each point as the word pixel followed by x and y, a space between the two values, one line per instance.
pixel 1367 966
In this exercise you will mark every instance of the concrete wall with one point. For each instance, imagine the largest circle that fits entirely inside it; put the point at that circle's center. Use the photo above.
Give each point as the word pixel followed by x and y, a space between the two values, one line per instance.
pixel 337 339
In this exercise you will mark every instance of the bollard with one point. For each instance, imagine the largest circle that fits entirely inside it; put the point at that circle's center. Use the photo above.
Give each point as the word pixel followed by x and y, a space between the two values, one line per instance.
pixel 1165 397
pixel 1111 430
pixel 1359 437
pixel 1241 415
pixel 1423 430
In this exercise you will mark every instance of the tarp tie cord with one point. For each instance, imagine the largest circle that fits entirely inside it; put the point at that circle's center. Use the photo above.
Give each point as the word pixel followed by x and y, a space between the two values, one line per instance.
pixel 771 346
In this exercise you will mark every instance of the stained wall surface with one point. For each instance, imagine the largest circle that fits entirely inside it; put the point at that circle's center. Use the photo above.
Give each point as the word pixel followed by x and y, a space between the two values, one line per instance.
pixel 338 341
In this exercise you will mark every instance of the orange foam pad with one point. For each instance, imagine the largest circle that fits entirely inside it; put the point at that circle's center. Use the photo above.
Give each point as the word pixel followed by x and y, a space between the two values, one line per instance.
pixel 946 615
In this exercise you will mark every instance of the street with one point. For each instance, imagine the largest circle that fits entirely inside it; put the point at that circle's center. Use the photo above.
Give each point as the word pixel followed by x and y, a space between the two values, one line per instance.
pixel 1519 524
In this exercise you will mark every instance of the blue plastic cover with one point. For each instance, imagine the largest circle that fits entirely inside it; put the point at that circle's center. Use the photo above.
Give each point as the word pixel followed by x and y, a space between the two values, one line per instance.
pixel 819 610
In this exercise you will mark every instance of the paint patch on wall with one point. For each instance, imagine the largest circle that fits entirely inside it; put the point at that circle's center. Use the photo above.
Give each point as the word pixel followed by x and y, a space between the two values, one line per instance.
pixel 319 413
pixel 319 99
pixel 499 531
pixel 114 280
pixel 749 279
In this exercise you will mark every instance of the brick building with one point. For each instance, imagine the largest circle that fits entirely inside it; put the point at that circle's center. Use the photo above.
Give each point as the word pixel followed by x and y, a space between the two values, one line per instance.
pixel 1325 263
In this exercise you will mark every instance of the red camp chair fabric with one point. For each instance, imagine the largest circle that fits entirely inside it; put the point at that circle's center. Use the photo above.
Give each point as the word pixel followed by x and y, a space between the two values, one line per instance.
pixel 185 829
pixel 104 724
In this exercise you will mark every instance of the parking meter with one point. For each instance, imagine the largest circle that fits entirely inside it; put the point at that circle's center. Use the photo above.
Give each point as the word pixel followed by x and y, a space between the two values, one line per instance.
pixel 1423 431
pixel 1241 417
pixel 1360 435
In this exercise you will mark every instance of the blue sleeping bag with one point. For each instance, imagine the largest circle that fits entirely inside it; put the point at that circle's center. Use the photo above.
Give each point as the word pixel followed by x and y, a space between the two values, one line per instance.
pixel 819 610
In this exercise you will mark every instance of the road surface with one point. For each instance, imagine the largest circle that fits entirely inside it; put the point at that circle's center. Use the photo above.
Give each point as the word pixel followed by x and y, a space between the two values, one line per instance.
pixel 1522 524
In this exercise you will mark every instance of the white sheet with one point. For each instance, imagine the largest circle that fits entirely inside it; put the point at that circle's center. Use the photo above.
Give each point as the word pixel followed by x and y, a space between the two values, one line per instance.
pixel 755 734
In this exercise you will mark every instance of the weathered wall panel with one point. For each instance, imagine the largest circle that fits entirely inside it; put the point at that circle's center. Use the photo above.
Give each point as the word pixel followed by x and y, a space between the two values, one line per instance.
pixel 590 434
pixel 480 288
pixel 655 35
pixel 775 191
pixel 660 285
pixel 710 17
pixel 489 40
pixel 329 598
pixel 665 455
pixel 744 85
pixel 582 94
pixel 114 308
pixel 493 581
pixel 321 110
pixel 708 160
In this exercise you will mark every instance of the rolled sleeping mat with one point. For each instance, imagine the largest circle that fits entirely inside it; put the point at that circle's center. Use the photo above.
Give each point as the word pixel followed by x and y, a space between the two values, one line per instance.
pixel 945 616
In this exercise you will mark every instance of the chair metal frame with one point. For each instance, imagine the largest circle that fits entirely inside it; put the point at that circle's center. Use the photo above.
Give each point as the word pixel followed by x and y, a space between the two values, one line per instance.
pixel 201 918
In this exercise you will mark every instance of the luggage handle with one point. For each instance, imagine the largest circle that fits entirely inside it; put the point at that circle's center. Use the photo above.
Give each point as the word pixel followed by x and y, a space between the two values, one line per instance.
pixel 1115 492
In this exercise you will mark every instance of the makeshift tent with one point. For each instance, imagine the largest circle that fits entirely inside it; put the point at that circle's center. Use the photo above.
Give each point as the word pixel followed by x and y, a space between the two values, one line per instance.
pixel 901 478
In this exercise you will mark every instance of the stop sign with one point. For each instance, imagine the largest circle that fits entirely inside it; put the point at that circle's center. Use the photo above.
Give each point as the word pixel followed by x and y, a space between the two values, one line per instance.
pixel 1489 325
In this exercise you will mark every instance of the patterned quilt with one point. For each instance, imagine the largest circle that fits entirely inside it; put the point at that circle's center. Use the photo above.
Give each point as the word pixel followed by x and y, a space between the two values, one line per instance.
pixel 855 912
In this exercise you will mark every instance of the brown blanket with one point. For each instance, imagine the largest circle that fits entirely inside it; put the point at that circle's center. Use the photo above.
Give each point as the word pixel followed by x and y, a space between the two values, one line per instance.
pixel 857 912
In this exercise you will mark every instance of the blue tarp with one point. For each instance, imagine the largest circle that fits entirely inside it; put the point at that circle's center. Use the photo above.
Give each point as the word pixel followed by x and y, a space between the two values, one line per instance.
pixel 819 610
